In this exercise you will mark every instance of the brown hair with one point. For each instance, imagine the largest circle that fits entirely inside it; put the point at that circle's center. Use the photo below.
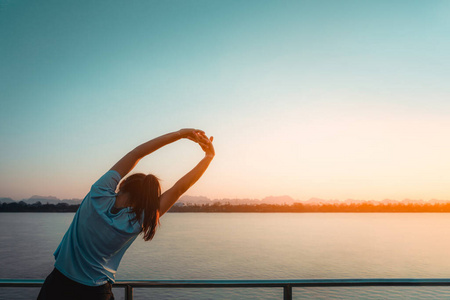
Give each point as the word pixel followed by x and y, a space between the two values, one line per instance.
pixel 144 192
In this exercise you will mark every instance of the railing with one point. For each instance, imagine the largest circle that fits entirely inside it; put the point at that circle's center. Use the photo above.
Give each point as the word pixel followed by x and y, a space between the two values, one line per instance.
pixel 287 285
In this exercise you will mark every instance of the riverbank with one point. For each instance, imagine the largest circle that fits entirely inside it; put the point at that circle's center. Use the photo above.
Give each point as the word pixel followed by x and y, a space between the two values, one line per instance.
pixel 248 208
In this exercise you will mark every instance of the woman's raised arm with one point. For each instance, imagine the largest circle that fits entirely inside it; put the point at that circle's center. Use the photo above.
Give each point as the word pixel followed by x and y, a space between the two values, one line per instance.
pixel 129 161
pixel 169 197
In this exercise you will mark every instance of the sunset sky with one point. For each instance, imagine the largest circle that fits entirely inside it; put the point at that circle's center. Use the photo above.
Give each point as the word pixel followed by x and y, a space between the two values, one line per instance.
pixel 328 99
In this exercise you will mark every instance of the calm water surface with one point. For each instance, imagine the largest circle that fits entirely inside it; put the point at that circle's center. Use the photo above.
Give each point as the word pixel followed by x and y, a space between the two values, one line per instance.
pixel 252 246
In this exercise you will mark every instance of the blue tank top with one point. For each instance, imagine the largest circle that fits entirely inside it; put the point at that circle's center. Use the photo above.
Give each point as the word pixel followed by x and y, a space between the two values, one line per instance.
pixel 94 244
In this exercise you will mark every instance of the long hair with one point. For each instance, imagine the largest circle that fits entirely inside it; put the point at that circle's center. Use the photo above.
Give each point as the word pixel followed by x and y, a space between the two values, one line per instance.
pixel 144 192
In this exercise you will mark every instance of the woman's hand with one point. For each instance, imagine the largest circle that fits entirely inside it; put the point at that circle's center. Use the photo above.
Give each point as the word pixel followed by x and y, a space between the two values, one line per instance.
pixel 190 133
pixel 207 146
pixel 199 136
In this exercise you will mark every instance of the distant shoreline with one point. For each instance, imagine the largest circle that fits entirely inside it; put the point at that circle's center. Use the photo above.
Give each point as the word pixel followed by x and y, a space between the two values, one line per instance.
pixel 256 208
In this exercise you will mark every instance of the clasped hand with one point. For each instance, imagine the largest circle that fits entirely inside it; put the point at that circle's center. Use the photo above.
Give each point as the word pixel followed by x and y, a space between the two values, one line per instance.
pixel 200 138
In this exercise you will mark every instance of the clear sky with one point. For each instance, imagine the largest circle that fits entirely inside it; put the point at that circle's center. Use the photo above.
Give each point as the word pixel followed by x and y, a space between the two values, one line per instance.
pixel 328 99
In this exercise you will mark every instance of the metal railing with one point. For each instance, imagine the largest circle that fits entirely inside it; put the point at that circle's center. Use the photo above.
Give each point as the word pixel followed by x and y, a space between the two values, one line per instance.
pixel 287 285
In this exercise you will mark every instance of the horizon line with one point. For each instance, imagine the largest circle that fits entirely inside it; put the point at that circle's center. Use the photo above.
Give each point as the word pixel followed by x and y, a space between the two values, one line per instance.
pixel 293 200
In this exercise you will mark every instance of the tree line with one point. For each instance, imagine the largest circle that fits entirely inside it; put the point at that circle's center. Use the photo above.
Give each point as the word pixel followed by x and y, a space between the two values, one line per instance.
pixel 38 207
pixel 227 207
pixel 317 208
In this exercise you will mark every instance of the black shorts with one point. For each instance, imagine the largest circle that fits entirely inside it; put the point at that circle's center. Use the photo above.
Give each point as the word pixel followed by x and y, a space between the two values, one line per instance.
pixel 57 287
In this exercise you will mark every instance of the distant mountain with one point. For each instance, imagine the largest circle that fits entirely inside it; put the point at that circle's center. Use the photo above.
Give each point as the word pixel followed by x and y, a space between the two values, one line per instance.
pixel 73 201
pixel 199 200
pixel 237 201
pixel 436 201
pixel 278 200
pixel 389 201
pixel 353 201
pixel 6 200
pixel 409 201
pixel 281 200
pixel 43 200
pixel 315 201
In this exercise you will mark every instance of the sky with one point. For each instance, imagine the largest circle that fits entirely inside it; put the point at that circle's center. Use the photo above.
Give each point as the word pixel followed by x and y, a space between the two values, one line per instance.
pixel 328 99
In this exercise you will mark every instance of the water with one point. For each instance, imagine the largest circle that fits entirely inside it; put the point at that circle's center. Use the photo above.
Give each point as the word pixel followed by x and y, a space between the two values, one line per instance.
pixel 252 246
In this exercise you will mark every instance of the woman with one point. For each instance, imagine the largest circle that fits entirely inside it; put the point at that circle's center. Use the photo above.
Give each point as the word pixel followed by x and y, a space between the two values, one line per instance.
pixel 106 223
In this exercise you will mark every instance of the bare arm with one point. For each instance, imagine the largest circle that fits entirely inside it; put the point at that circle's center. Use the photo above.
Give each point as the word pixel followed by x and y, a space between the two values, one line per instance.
pixel 169 197
pixel 129 161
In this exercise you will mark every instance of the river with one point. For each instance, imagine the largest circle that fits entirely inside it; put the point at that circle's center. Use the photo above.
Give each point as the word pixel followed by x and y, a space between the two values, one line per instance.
pixel 252 246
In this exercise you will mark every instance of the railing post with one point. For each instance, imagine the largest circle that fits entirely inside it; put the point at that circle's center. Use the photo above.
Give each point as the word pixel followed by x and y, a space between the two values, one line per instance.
pixel 287 291
pixel 128 292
